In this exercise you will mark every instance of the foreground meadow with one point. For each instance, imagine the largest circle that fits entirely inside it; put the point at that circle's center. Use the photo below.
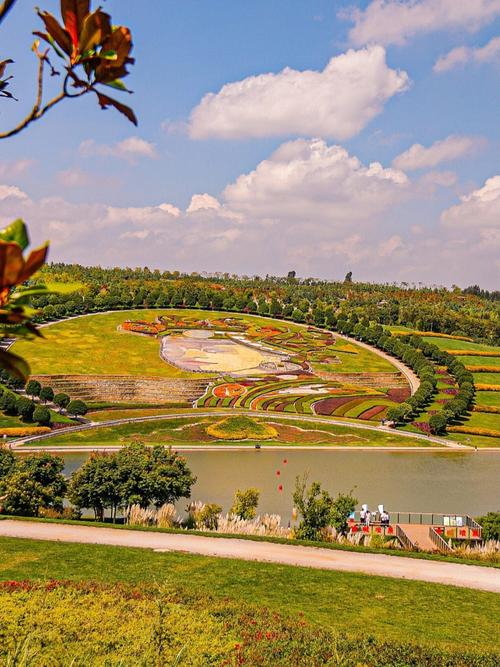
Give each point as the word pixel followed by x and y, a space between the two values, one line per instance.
pixel 205 606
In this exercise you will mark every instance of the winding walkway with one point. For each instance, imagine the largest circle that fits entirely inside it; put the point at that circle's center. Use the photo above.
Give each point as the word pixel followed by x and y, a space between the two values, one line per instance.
pixel 454 574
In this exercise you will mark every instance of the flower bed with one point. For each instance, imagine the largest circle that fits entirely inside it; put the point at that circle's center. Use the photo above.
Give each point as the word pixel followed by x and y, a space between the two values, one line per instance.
pixel 483 369
pixel 23 431
pixel 474 430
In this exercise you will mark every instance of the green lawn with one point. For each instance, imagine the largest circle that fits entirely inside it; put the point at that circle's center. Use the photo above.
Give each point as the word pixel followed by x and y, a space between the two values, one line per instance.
pixel 64 288
pixel 480 361
pixel 452 344
pixel 389 609
pixel 486 378
pixel 488 398
pixel 191 431
pixel 93 346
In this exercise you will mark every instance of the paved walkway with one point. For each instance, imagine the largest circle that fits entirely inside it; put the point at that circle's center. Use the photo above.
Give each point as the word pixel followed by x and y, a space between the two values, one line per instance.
pixel 468 576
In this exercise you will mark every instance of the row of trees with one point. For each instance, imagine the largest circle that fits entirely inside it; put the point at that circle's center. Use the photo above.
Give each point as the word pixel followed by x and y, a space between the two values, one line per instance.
pixel 75 407
pixel 316 302
pixel 136 474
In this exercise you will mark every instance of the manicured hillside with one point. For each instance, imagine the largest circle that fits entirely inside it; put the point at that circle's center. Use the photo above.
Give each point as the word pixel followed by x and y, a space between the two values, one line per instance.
pixel 194 431
pixel 480 427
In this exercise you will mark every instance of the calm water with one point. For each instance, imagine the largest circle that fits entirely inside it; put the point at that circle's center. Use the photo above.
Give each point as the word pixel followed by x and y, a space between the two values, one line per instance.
pixel 466 483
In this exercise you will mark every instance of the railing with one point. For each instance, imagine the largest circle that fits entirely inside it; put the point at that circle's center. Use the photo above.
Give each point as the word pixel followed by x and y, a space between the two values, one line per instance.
pixel 438 541
pixel 404 539
pixel 431 519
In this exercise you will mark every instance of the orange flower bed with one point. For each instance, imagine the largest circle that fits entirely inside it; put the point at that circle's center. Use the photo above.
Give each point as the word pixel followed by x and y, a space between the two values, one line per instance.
pixel 229 390
pixel 22 431
pixel 487 387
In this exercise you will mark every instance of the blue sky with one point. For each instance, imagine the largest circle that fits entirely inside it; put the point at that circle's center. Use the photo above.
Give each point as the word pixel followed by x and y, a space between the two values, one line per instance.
pixel 282 163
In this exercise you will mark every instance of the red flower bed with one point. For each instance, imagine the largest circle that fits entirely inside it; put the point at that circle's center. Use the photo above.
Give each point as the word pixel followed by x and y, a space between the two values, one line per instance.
pixel 372 412
pixel 399 395
pixel 328 406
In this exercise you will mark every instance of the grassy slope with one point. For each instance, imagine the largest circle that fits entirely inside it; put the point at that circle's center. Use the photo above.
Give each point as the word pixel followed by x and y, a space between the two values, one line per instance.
pixel 159 431
pixel 92 345
pixel 389 608
pixel 477 419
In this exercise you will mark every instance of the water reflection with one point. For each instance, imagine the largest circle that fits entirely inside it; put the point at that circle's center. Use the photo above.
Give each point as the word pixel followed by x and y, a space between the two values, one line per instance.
pixel 467 483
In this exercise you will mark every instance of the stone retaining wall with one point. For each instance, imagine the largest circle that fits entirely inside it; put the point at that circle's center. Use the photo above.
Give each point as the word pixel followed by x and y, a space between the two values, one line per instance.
pixel 125 388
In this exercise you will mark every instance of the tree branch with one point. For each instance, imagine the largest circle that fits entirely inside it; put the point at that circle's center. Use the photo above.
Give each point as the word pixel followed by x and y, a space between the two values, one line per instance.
pixel 38 111
pixel 5 7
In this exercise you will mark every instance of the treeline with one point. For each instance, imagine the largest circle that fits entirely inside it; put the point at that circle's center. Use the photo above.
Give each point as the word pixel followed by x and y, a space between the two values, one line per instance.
pixel 35 485
pixel 455 312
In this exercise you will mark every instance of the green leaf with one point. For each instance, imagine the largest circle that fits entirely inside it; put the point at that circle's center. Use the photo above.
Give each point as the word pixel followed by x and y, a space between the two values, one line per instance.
pixel 14 364
pixel 16 232
pixel 118 85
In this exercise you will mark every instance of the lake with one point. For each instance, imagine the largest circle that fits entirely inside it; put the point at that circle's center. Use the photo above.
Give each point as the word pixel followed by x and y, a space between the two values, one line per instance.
pixel 451 482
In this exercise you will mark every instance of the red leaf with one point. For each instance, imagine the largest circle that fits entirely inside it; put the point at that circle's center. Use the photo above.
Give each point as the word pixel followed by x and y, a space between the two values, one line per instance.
pixel 73 13
pixel 106 102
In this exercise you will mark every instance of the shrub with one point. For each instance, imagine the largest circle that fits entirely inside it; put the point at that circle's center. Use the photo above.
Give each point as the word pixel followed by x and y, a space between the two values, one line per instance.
pixel 77 408
pixel 62 400
pixel 33 388
pixel 41 416
pixel 9 403
pixel 245 503
pixel 491 525
pixel 46 394
pixel 315 506
pixel 25 408
pixel 437 423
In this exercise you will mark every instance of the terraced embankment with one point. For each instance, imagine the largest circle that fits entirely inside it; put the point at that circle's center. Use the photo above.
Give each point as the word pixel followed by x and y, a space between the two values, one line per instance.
pixel 126 389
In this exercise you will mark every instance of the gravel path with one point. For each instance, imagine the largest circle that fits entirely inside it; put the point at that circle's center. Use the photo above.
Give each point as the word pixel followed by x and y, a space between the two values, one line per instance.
pixel 467 576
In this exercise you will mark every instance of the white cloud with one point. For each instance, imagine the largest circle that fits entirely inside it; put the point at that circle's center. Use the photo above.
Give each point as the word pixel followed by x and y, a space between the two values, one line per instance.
pixel 478 210
pixel 131 148
pixel 445 150
pixel 74 178
pixel 203 202
pixel 390 246
pixel 337 102
pixel 15 168
pixel 310 207
pixel 463 55
pixel 308 180
pixel 395 21
pixel 11 192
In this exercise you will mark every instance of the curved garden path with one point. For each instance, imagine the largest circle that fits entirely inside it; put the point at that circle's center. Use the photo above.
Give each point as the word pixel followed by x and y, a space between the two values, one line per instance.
pixel 21 443
pixel 454 574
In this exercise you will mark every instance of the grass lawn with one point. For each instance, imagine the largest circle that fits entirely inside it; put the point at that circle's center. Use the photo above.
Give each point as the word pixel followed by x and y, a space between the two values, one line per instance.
pixel 486 378
pixel 480 361
pixel 488 398
pixel 452 344
pixel 437 615
pixel 192 431
pixel 93 346
pixel 64 288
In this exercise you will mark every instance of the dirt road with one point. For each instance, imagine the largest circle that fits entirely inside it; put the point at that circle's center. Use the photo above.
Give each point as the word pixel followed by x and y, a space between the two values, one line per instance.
pixel 468 576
